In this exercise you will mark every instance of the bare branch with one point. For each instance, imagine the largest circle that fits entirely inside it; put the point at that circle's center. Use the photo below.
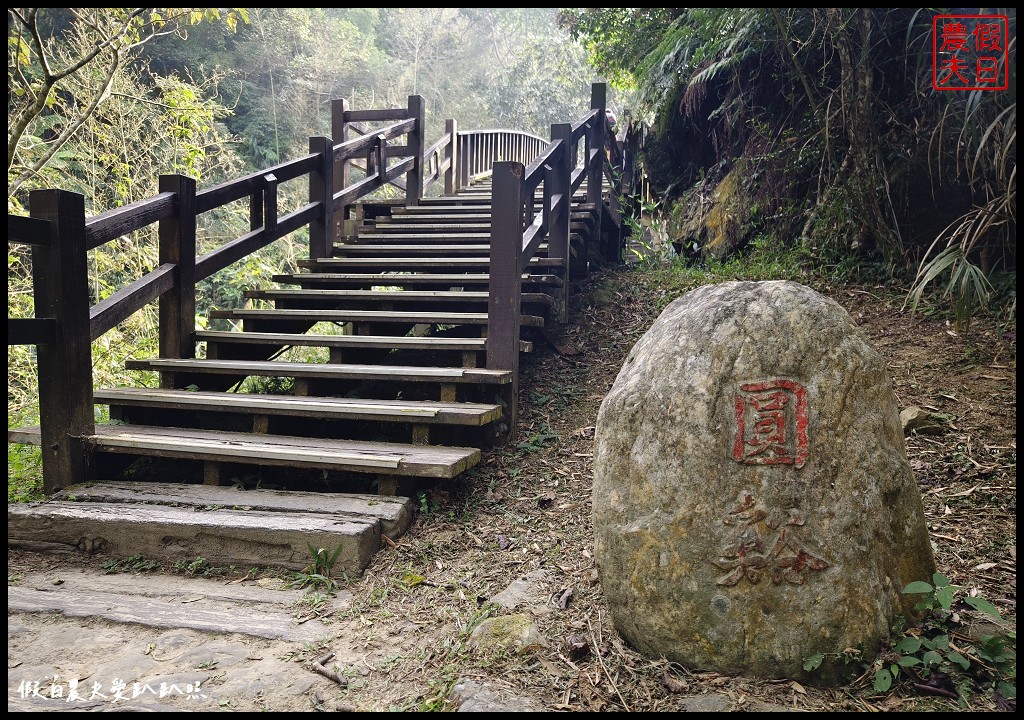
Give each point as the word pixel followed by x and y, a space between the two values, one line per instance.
pixel 69 132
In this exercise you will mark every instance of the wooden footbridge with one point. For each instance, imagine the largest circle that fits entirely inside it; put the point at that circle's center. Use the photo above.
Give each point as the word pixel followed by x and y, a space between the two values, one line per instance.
pixel 427 304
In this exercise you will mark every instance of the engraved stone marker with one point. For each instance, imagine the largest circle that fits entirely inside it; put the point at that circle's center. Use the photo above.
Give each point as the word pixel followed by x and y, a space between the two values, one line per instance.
pixel 753 503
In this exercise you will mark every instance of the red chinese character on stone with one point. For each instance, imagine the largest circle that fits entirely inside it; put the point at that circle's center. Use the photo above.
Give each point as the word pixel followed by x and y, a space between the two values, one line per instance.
pixel 771 423
pixel 954 65
pixel 954 36
pixel 988 36
pixel 987 71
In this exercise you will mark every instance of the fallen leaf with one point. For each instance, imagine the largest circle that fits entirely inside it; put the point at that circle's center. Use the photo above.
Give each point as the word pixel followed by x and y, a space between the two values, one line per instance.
pixel 502 542
pixel 674 685
pixel 797 687
pixel 577 646
pixel 985 566
pixel 564 598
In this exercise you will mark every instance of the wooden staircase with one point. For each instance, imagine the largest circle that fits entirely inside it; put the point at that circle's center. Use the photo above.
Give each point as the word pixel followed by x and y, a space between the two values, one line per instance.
pixel 378 354
pixel 389 361
pixel 399 389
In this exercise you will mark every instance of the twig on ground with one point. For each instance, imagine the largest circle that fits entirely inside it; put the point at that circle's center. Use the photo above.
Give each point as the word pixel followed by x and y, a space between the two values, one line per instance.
pixel 606 673
pixel 318 667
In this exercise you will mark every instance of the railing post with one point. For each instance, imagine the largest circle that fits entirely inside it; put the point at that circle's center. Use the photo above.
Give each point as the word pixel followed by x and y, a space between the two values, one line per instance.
pixel 595 175
pixel 321 190
pixel 505 290
pixel 560 179
pixel 60 283
pixel 342 175
pixel 451 156
pixel 414 178
pixel 626 181
pixel 177 235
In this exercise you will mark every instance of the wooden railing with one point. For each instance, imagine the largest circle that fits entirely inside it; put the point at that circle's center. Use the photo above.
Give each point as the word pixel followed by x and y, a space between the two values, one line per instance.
pixel 61 236
pixel 518 226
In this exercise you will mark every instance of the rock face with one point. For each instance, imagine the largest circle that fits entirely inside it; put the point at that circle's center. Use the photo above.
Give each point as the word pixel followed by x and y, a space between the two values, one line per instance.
pixel 753 503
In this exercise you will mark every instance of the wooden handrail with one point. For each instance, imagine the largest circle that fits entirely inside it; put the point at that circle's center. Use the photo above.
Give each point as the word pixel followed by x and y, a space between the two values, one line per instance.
pixel 101 229
pixel 28 230
pixel 122 304
pixel 228 192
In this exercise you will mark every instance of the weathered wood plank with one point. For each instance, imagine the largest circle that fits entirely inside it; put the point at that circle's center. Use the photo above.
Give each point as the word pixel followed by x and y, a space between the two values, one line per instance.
pixel 277 450
pixel 28 230
pixel 394 514
pixel 132 297
pixel 374 236
pixel 233 190
pixel 377 316
pixel 31 331
pixel 177 311
pixel 324 371
pixel 60 277
pixel 237 537
pixel 235 250
pixel 327 408
pixel 450 279
pixel 504 297
pixel 460 228
pixel 465 296
pixel 376 115
pixel 114 223
pixel 419 262
pixel 397 249
pixel 351 341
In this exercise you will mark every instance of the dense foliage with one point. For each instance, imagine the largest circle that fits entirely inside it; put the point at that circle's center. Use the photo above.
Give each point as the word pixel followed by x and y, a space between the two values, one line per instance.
pixel 845 149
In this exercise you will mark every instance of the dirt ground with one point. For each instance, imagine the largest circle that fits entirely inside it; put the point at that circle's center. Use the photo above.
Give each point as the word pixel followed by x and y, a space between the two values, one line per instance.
pixel 516 531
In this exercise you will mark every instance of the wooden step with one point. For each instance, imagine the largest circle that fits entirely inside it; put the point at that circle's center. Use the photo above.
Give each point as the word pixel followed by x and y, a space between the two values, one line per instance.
pixel 222 536
pixel 396 279
pixel 425 227
pixel 467 200
pixel 274 450
pixel 323 408
pixel 374 316
pixel 449 215
pixel 385 342
pixel 420 263
pixel 392 514
pixel 377 237
pixel 439 296
pixel 325 371
pixel 225 525
pixel 423 249
pixel 440 208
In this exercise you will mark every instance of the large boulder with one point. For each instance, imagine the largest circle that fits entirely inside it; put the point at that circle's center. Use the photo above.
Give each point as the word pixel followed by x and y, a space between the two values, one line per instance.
pixel 753 503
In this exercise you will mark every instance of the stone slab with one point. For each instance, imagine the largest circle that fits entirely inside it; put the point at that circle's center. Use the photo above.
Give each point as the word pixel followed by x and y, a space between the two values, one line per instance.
pixel 222 537
pixel 394 513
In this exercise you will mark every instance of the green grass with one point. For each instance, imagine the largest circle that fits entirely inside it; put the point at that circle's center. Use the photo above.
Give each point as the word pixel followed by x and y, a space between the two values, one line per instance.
pixel 24 473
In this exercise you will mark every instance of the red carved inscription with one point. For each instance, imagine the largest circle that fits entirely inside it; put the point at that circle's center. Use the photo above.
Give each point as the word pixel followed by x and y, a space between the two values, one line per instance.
pixel 771 423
